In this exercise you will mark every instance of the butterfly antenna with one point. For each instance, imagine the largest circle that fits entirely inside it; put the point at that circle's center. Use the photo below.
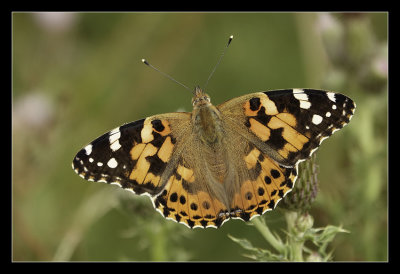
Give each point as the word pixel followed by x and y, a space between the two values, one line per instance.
pixel 219 60
pixel 166 75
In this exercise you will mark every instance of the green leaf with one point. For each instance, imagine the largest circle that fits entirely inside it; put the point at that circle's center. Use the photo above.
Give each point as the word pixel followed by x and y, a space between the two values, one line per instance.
pixel 242 242
pixel 257 254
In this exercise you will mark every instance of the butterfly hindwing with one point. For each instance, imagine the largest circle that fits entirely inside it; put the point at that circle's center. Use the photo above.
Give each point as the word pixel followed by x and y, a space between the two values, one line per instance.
pixel 267 184
pixel 187 200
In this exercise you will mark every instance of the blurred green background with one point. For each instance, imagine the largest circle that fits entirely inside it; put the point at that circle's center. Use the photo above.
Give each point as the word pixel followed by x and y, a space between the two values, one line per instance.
pixel 79 75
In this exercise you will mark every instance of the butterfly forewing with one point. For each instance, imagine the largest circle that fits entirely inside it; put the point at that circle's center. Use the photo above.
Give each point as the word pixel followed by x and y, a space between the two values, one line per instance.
pixel 290 124
pixel 134 155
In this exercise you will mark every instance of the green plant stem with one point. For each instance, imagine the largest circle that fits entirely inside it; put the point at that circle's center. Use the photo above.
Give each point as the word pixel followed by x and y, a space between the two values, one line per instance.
pixel 266 233
pixel 296 250
pixel 295 242
pixel 158 245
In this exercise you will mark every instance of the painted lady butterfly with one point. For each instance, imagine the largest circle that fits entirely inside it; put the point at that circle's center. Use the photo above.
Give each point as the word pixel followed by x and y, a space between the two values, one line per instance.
pixel 234 160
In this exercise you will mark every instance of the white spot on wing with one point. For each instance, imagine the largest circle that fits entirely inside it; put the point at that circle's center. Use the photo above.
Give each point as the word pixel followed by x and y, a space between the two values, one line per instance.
pixel 112 163
pixel 300 95
pixel 316 119
pixel 114 131
pixel 331 96
pixel 88 149
pixel 115 134
pixel 115 145
pixel 305 104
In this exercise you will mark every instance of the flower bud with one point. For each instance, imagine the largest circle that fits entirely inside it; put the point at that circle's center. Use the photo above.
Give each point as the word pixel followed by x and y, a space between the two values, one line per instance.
pixel 314 257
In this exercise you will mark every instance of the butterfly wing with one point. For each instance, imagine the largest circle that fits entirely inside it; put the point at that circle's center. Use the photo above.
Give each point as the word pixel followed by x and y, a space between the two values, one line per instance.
pixel 289 125
pixel 158 156
pixel 137 156
pixel 187 198
pixel 282 128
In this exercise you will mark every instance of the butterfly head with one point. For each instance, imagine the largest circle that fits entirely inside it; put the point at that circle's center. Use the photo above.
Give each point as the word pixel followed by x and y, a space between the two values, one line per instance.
pixel 200 98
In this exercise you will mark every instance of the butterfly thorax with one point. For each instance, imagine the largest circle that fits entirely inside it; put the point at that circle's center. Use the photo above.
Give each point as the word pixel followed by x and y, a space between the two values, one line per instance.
pixel 208 128
pixel 206 119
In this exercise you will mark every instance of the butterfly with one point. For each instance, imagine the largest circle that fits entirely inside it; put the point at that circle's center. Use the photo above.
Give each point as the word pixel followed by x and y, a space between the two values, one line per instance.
pixel 234 160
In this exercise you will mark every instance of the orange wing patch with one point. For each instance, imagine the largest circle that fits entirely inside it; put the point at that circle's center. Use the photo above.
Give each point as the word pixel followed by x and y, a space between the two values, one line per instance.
pixel 268 184
pixel 182 203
